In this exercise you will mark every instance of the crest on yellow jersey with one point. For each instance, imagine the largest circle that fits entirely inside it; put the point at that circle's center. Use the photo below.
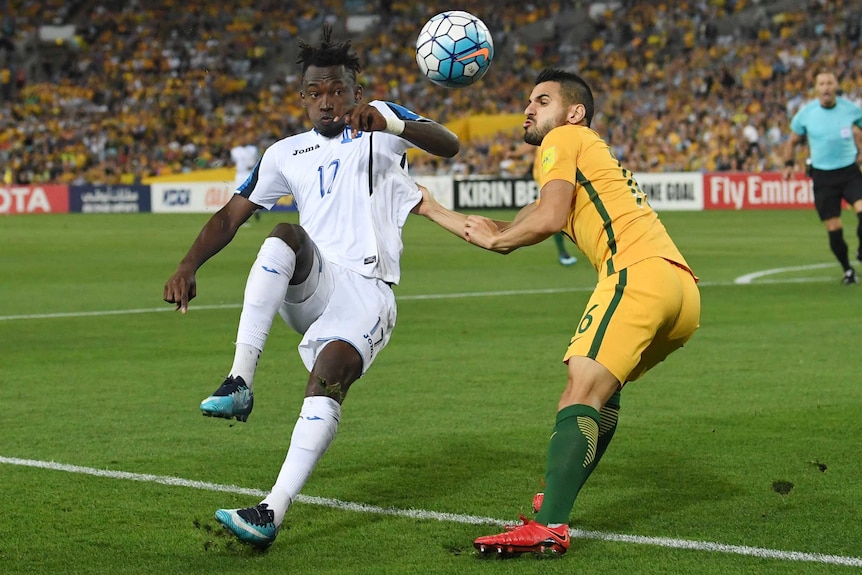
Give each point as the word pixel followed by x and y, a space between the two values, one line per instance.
pixel 549 157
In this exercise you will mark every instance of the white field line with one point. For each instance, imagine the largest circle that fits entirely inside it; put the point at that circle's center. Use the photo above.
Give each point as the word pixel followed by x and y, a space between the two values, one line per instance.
pixel 742 280
pixel 709 546
pixel 749 278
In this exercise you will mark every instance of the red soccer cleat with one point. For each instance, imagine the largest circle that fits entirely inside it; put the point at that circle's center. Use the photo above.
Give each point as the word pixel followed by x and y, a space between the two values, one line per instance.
pixel 531 537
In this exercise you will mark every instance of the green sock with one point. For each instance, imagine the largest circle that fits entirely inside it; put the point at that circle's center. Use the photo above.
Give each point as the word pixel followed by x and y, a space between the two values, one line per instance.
pixel 571 454
pixel 558 239
pixel 608 417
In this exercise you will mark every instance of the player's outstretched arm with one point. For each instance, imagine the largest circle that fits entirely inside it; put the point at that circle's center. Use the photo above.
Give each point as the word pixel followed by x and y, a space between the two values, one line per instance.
pixel 215 235
pixel 522 213
pixel 432 137
pixel 477 230
pixel 534 223
pixel 445 218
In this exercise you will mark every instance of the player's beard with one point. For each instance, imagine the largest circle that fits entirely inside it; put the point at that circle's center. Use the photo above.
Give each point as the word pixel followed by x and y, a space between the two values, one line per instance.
pixel 535 136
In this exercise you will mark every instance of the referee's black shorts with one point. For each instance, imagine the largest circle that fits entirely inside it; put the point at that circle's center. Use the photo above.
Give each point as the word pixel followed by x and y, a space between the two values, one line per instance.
pixel 831 186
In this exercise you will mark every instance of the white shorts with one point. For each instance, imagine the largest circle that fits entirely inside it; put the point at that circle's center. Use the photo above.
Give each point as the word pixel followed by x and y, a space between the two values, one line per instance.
pixel 345 306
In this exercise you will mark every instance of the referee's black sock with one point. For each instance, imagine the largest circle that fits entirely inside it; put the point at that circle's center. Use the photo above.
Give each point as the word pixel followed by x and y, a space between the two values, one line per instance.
pixel 859 235
pixel 839 247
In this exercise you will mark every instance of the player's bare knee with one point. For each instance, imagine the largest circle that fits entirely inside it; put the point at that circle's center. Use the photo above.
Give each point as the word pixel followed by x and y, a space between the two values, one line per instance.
pixel 333 389
pixel 589 383
pixel 297 240
pixel 336 368
pixel 833 224
pixel 291 234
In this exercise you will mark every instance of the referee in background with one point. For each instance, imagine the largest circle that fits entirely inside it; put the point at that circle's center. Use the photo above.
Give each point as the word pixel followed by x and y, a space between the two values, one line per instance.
pixel 832 127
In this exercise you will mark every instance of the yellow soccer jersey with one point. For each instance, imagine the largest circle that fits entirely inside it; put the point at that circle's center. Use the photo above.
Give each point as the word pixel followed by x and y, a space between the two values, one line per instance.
pixel 610 219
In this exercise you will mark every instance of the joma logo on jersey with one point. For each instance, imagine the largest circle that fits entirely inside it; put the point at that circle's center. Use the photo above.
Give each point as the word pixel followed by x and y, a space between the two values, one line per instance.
pixel 308 149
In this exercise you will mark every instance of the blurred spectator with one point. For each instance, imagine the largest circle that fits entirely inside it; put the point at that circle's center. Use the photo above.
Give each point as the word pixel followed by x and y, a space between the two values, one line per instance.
pixel 244 158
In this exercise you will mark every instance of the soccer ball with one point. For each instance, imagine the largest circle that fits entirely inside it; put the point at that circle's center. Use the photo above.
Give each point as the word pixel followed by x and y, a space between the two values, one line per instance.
pixel 454 49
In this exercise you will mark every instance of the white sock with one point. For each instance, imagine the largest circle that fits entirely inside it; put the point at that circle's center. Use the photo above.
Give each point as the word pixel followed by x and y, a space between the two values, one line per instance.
pixel 314 431
pixel 264 293
pixel 244 363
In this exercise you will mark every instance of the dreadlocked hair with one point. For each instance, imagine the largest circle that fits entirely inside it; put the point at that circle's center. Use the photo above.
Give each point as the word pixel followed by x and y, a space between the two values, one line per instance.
pixel 328 53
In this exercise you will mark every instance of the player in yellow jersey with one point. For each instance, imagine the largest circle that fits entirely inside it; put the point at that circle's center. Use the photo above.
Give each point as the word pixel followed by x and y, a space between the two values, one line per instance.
pixel 646 303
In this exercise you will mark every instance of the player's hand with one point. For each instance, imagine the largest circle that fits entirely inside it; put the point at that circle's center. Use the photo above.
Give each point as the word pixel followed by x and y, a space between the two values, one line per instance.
pixel 363 117
pixel 787 172
pixel 427 204
pixel 180 289
pixel 480 231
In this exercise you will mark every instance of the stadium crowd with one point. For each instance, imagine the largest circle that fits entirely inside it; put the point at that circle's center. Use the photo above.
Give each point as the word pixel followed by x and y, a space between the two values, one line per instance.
pixel 162 86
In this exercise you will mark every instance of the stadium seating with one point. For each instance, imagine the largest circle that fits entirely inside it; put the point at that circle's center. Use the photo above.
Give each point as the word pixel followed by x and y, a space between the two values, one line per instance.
pixel 156 87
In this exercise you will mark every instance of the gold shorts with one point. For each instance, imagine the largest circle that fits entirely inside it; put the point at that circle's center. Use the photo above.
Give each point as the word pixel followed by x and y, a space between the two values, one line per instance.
pixel 637 317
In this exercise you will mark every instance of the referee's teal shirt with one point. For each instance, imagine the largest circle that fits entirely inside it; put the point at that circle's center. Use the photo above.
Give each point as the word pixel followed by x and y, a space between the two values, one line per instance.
pixel 829 132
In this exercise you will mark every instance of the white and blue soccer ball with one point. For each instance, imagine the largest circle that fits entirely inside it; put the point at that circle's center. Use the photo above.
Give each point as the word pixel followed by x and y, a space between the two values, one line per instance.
pixel 454 49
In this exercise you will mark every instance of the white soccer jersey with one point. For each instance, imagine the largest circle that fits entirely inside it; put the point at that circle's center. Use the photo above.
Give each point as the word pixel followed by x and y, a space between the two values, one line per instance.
pixel 353 194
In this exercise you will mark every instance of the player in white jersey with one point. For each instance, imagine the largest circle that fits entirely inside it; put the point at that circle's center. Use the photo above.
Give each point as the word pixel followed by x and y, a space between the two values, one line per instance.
pixel 330 277
pixel 244 157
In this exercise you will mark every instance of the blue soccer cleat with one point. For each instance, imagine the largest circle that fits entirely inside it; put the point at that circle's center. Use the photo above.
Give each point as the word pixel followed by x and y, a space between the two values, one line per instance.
pixel 232 399
pixel 252 525
pixel 567 259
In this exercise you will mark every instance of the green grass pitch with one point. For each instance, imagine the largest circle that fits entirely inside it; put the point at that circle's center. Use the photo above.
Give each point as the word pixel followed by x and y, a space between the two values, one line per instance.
pixel 740 454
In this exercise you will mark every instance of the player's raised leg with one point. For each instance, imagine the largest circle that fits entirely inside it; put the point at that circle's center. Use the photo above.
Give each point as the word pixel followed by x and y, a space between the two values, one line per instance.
pixel 265 291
